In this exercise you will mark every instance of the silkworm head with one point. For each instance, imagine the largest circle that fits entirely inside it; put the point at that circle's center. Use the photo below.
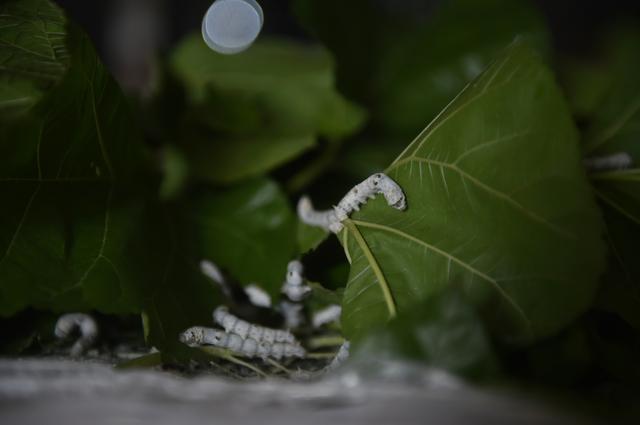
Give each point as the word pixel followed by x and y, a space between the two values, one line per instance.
pixel 295 266
pixel 192 336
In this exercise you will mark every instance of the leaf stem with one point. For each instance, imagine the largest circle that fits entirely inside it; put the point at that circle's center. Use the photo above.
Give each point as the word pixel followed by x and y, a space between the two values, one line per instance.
pixel 384 285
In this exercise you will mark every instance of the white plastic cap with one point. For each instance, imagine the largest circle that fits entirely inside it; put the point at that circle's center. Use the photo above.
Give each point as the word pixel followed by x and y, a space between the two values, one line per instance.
pixel 231 26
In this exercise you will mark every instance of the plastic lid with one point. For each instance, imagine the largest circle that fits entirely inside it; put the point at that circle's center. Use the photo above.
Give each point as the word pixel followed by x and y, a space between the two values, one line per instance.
pixel 231 26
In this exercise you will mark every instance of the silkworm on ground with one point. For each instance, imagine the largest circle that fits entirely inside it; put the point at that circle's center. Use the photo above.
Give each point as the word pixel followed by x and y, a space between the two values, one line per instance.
pixel 82 323
pixel 249 347
pixel 616 161
pixel 327 315
pixel 341 356
pixel 294 286
pixel 373 185
pixel 244 329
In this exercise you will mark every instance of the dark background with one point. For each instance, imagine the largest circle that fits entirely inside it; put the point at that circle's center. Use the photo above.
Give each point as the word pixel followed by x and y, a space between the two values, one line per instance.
pixel 130 33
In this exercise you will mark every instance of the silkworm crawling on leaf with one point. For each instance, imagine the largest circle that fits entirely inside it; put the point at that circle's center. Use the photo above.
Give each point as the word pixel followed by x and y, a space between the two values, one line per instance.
pixel 248 347
pixel 616 161
pixel 295 287
pixel 67 324
pixel 373 185
pixel 244 329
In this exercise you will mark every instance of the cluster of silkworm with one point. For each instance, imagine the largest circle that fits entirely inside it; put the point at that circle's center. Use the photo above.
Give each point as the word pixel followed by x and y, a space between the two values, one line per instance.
pixel 332 219
pixel 244 338
pixel 81 323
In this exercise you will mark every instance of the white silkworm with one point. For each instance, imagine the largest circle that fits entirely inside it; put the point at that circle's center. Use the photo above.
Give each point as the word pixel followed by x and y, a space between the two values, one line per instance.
pixel 258 296
pixel 332 220
pixel 84 324
pixel 244 329
pixel 327 315
pixel 248 347
pixel 293 314
pixel 616 161
pixel 294 286
pixel 310 216
pixel 212 272
pixel 341 356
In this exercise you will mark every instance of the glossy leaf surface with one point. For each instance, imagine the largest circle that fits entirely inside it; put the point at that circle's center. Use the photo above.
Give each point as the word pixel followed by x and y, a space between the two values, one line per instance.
pixel 498 205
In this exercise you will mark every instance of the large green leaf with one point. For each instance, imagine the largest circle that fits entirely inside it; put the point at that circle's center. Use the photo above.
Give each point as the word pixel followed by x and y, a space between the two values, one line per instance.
pixel 498 205
pixel 258 109
pixel 616 128
pixel 61 168
pixel 77 231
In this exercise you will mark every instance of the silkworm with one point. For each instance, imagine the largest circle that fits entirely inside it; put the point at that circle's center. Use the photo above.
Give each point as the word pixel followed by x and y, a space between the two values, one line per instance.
pixel 310 216
pixel 616 161
pixel 294 286
pixel 327 315
pixel 244 329
pixel 341 356
pixel 84 324
pixel 373 185
pixel 293 314
pixel 258 296
pixel 249 347
pixel 209 269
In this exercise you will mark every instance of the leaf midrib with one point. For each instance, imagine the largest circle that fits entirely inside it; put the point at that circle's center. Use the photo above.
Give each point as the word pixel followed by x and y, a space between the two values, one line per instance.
pixel 382 281
pixel 353 223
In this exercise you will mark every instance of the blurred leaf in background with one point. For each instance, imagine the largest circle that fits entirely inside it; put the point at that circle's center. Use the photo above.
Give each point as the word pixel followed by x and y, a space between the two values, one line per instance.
pixel 81 227
pixel 252 112
pixel 444 332
pixel 249 230
pixel 406 66
pixel 614 127
pixel 498 204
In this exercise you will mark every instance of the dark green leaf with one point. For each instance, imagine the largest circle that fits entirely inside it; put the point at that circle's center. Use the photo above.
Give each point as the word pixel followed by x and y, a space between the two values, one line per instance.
pixel 409 61
pixel 249 230
pixel 498 205
pixel 76 229
pixel 33 54
pixel 616 128
pixel 260 108
pixel 62 175
pixel 309 237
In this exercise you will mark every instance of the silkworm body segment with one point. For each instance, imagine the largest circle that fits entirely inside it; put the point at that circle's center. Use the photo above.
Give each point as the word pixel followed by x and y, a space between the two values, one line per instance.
pixel 244 329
